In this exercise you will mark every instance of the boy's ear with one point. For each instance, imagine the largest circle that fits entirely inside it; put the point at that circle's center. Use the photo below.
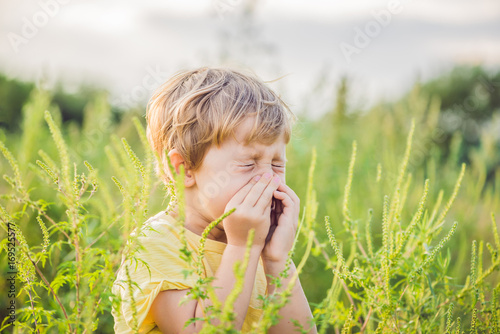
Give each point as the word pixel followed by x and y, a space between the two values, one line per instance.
pixel 177 160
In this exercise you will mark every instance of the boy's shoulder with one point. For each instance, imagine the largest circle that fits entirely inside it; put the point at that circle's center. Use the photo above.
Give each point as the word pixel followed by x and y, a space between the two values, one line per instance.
pixel 160 225
pixel 159 237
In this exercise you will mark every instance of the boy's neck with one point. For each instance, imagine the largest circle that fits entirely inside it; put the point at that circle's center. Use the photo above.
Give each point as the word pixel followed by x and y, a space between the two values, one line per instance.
pixel 196 223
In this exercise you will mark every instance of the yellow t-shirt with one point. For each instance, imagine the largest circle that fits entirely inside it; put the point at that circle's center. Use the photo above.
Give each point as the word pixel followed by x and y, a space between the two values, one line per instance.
pixel 161 244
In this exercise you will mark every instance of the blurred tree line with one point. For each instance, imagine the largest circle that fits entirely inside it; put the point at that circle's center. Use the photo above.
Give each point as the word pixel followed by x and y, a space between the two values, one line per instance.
pixel 470 100
pixel 15 93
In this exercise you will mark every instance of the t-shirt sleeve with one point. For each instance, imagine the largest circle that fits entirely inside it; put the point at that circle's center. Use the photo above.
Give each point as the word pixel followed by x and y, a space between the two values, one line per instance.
pixel 158 267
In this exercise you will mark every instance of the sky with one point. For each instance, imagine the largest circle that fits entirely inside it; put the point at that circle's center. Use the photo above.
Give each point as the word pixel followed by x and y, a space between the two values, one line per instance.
pixel 131 47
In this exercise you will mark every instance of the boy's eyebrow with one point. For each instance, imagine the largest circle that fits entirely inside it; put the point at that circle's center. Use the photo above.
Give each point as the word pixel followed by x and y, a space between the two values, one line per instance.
pixel 256 156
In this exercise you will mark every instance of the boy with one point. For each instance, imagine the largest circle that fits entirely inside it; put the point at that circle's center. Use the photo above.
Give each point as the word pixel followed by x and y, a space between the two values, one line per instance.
pixel 229 131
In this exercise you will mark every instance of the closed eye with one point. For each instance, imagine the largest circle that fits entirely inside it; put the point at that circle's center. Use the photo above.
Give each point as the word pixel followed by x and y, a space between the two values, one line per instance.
pixel 251 165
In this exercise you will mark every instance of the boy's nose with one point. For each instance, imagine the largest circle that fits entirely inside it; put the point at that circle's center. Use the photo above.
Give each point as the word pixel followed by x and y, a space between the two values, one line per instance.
pixel 265 169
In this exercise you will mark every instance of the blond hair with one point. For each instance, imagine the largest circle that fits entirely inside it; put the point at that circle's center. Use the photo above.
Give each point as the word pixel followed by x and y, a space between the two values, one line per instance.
pixel 195 109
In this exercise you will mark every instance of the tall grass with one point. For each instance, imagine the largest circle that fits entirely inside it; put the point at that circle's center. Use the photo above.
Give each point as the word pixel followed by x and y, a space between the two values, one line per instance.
pixel 376 249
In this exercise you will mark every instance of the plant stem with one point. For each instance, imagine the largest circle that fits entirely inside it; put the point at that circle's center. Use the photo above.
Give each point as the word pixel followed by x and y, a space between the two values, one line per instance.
pixel 48 286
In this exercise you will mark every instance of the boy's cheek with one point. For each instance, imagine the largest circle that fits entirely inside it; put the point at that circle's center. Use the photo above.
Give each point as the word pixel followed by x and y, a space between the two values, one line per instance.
pixel 282 177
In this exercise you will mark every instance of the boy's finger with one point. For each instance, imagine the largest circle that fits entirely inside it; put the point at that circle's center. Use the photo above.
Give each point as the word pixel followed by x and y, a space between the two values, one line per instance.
pixel 267 195
pixel 258 188
pixel 287 203
pixel 278 207
pixel 287 190
pixel 239 197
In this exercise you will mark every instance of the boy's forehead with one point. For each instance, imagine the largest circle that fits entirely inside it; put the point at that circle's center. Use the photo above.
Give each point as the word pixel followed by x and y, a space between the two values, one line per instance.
pixel 254 149
pixel 241 134
pixel 242 139
pixel 255 143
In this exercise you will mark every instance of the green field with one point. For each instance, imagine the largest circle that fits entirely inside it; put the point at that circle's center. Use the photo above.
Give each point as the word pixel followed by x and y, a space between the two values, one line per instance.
pixel 398 234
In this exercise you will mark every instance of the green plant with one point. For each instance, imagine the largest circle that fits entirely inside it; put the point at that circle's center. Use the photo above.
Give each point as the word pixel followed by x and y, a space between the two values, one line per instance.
pixel 393 260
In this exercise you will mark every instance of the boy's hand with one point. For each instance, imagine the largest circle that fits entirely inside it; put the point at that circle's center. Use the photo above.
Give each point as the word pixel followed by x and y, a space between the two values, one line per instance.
pixel 253 210
pixel 284 221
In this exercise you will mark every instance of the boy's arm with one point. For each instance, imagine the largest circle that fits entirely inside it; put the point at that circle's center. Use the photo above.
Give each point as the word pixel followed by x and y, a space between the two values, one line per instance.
pixel 297 307
pixel 285 220
pixel 253 207
pixel 170 317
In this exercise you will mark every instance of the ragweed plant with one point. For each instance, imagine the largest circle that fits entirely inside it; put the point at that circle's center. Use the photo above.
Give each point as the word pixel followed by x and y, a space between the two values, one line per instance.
pixel 62 280
pixel 74 218
pixel 403 286
pixel 86 268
